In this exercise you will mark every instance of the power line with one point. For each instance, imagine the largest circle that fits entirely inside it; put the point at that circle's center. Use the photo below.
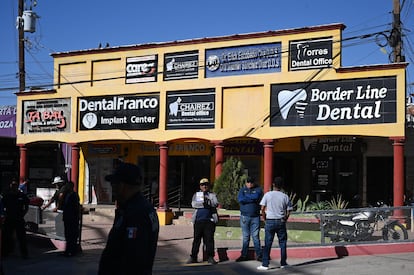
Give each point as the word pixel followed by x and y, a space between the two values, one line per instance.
pixel 358 40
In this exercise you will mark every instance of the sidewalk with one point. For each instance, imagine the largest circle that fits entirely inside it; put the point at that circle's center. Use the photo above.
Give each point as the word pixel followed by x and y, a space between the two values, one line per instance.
pixel 174 248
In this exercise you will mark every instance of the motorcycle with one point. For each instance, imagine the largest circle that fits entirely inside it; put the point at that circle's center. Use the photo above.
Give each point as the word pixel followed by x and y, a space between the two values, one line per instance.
pixel 362 226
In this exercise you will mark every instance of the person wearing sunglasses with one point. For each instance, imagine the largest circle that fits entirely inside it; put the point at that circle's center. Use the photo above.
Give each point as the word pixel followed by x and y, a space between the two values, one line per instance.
pixel 204 221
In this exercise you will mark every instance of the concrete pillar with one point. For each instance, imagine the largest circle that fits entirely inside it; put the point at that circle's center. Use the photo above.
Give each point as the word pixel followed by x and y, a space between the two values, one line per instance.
pixel 268 145
pixel 219 157
pixel 23 163
pixel 163 176
pixel 165 214
pixel 74 173
pixel 398 187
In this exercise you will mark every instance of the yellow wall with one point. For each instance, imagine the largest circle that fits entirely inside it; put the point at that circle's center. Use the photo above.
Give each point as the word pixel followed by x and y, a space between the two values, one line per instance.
pixel 242 102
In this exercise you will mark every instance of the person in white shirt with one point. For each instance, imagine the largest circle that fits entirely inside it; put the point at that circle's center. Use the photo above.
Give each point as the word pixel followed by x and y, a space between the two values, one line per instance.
pixel 276 208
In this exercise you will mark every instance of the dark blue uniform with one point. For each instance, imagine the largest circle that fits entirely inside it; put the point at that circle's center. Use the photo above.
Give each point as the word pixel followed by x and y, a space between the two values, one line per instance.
pixel 132 241
pixel 16 205
pixel 71 219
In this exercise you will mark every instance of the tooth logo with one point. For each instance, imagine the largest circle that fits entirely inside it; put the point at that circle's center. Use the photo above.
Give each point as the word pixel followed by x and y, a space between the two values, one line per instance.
pixel 287 98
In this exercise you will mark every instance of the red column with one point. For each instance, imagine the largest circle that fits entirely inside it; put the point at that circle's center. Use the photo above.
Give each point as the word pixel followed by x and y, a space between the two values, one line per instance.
pixel 268 163
pixel 398 145
pixel 219 158
pixel 23 163
pixel 163 176
pixel 74 174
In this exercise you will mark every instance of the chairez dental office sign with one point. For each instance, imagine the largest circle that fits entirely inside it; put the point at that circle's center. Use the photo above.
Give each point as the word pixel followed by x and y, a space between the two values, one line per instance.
pixel 339 102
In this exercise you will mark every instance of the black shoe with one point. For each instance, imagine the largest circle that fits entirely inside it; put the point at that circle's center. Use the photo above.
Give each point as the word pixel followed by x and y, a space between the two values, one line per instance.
pixel 242 259
pixel 191 260
pixel 211 260
pixel 259 259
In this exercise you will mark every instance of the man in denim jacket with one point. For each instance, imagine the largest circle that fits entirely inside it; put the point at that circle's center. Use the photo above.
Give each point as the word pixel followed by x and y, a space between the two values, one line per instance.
pixel 249 198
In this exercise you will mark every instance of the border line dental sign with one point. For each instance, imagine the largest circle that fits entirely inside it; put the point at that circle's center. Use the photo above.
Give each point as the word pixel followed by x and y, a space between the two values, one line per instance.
pixel 343 102
pixel 123 112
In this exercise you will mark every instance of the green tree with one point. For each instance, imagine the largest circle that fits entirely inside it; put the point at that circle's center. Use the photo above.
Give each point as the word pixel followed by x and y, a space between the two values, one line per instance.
pixel 230 181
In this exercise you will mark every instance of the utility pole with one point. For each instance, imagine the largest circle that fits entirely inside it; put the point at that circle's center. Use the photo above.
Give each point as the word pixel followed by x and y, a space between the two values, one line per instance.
pixel 396 41
pixel 20 27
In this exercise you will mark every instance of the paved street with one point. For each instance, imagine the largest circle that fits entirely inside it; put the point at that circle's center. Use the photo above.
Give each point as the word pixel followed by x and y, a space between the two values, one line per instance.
pixel 46 260
pixel 377 264
pixel 173 249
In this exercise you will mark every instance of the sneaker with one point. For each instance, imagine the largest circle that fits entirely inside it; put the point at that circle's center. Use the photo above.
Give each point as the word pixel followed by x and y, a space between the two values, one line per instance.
pixel 242 259
pixel 285 266
pixel 262 268
pixel 211 260
pixel 191 260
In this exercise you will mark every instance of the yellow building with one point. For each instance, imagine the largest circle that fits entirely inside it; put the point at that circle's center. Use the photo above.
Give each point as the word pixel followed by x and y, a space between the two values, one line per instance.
pixel 279 100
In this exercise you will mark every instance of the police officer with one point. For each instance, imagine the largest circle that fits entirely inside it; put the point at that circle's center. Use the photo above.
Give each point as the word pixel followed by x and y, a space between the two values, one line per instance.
pixel 71 219
pixel 16 205
pixel 132 241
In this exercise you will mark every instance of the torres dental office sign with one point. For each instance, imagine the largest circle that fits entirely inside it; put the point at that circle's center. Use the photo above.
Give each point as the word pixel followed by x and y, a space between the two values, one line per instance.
pixel 124 112
pixel 310 54
pixel 339 102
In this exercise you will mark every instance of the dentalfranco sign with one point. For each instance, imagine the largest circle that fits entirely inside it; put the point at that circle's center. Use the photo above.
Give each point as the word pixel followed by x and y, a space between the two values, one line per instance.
pixel 125 112
pixel 339 102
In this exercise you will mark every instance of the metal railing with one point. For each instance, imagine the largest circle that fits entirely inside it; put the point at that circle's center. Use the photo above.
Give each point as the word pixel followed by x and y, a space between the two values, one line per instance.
pixel 174 197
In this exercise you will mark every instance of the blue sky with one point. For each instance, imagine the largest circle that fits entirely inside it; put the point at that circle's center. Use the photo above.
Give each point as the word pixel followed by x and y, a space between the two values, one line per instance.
pixel 78 24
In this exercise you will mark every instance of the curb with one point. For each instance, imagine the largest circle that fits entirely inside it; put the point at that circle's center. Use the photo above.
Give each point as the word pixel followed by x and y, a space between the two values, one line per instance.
pixel 336 251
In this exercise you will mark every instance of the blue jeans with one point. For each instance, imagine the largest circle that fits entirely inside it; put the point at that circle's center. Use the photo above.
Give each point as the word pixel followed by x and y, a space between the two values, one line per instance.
pixel 250 227
pixel 273 227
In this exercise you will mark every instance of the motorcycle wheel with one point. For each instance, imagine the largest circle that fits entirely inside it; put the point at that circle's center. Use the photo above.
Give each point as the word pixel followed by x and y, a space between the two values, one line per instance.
pixel 394 231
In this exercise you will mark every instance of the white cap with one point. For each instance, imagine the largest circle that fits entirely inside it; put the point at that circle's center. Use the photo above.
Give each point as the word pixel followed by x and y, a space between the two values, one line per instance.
pixel 57 180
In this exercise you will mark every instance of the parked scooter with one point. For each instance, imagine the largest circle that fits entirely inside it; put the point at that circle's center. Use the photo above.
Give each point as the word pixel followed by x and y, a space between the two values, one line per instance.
pixel 361 226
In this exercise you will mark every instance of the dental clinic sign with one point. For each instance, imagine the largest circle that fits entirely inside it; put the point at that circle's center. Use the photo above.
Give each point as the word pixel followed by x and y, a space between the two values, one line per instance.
pixel 243 60
pixel 193 109
pixel 141 69
pixel 342 102
pixel 310 54
pixel 124 112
